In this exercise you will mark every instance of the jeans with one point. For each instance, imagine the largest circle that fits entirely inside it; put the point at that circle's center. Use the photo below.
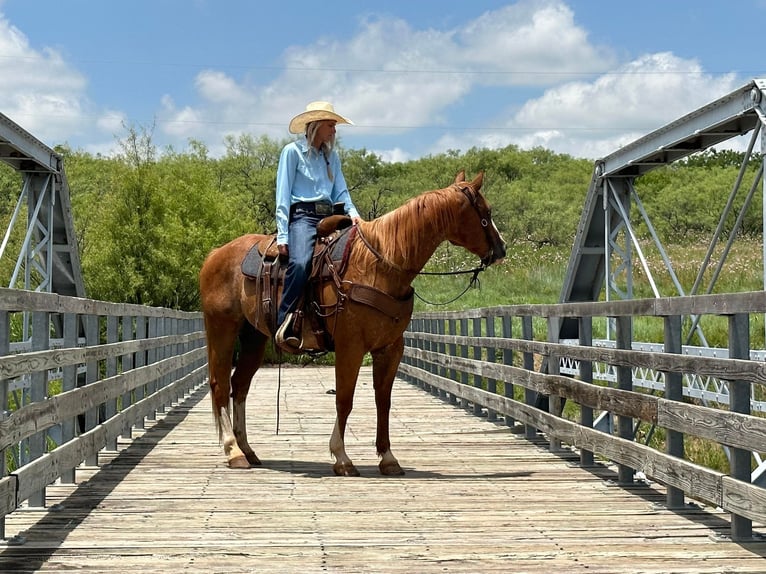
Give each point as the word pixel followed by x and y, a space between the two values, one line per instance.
pixel 301 236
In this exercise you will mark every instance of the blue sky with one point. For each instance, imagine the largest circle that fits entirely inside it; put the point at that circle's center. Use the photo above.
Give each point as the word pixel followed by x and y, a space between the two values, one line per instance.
pixel 417 77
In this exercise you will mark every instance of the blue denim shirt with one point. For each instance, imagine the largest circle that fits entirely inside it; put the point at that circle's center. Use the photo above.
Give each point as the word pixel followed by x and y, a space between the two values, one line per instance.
pixel 302 176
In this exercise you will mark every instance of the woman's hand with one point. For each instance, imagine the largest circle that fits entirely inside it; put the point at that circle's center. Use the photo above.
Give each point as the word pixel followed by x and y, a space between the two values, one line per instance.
pixel 284 250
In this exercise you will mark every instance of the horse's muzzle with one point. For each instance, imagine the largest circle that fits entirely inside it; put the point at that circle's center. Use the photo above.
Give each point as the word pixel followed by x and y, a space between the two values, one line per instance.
pixel 497 253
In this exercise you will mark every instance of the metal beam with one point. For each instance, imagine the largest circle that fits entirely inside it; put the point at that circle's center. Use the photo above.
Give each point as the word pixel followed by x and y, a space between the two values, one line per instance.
pixel 730 116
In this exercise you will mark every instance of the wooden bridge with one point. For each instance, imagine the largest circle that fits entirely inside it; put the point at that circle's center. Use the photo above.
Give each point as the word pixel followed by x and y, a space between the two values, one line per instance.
pixel 135 479
pixel 477 497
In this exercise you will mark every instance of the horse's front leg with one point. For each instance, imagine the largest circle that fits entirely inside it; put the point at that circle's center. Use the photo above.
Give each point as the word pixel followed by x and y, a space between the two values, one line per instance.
pixel 347 365
pixel 384 366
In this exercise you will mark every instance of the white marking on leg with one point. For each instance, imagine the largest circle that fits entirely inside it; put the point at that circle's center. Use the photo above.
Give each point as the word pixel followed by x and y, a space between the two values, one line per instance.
pixel 240 430
pixel 229 440
pixel 388 458
pixel 338 446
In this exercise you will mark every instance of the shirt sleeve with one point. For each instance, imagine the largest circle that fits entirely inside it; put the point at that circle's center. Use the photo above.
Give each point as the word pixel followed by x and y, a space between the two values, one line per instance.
pixel 340 189
pixel 288 163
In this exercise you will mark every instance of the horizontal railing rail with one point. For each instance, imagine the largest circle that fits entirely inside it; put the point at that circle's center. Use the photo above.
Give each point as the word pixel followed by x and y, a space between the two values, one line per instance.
pixel 507 361
pixel 85 373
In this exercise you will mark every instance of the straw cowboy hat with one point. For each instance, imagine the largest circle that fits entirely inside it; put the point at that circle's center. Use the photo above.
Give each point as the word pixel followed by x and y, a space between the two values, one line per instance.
pixel 316 111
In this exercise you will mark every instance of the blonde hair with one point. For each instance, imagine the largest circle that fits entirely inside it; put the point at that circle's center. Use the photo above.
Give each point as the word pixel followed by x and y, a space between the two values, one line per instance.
pixel 325 148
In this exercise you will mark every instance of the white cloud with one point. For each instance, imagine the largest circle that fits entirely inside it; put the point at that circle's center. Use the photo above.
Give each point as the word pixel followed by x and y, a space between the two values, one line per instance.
pixel 40 90
pixel 389 76
pixel 593 119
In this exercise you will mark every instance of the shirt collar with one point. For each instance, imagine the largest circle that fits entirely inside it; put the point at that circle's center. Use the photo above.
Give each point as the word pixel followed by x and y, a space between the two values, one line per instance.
pixel 303 144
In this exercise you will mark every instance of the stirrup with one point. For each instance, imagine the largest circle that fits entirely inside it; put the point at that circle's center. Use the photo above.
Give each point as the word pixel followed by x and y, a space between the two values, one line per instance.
pixel 290 342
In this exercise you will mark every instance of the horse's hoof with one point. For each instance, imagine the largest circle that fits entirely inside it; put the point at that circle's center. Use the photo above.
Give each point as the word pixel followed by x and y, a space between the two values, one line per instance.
pixel 239 462
pixel 345 469
pixel 390 468
pixel 253 459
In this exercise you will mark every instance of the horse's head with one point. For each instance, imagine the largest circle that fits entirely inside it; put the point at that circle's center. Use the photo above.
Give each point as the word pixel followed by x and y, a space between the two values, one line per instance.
pixel 476 231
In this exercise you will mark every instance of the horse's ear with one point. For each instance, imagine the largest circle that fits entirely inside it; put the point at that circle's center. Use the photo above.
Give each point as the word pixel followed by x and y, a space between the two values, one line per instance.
pixel 460 177
pixel 476 183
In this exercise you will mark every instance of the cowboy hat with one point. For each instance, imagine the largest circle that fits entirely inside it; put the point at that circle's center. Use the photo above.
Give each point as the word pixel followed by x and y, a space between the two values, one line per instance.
pixel 316 111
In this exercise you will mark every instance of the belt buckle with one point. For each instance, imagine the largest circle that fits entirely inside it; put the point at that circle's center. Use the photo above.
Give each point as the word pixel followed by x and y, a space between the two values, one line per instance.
pixel 323 208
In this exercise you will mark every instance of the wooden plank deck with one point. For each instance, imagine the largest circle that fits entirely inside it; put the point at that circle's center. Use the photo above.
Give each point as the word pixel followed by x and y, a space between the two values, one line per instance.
pixel 476 498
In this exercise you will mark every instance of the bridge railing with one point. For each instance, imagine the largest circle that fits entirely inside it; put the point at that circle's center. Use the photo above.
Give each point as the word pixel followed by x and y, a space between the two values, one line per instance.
pixel 88 372
pixel 502 361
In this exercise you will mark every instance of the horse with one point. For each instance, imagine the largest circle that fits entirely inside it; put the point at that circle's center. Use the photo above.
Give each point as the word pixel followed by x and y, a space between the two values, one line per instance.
pixel 385 256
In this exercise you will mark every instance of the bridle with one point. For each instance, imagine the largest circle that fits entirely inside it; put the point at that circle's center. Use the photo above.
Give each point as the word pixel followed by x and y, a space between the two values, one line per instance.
pixel 485 218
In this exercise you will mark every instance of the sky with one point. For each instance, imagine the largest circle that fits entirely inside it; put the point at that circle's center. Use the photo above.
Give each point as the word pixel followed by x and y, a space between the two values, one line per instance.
pixel 417 77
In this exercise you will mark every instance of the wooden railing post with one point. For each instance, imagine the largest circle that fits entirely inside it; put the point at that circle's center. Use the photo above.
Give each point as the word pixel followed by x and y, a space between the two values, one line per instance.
pixel 491 383
pixel 554 368
pixel 508 360
pixel 69 382
pixel 39 392
pixel 586 376
pixel 140 361
pixel 127 365
pixel 464 354
pixel 441 348
pixel 624 382
pixel 530 396
pixel 739 402
pixel 477 379
pixel 110 408
pixel 452 329
pixel 674 497
pixel 91 375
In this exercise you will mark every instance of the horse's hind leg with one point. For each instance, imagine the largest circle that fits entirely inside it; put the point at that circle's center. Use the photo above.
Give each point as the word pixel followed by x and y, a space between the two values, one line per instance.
pixel 221 337
pixel 252 349
pixel 384 366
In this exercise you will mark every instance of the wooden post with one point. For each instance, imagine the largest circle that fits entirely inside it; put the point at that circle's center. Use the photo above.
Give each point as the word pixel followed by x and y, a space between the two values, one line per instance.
pixel 586 376
pixel 491 383
pixel 39 392
pixel 624 382
pixel 508 360
pixel 530 396
pixel 739 402
pixel 110 408
pixel 452 328
pixel 69 382
pixel 91 376
pixel 674 497
pixel 477 379
pixel 554 368
pixel 442 349
pixel 140 361
pixel 127 365
pixel 464 354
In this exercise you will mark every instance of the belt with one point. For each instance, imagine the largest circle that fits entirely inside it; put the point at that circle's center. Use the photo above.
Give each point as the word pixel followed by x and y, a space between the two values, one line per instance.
pixel 318 207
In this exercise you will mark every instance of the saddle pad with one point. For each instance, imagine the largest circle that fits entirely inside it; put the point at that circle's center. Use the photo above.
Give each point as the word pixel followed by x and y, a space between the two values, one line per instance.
pixel 252 263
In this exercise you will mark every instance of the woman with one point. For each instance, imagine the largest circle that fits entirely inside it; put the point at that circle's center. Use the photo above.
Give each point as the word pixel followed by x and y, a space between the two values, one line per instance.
pixel 309 182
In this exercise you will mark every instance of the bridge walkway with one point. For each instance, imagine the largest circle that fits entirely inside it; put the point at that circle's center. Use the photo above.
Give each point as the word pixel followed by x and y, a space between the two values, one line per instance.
pixel 477 497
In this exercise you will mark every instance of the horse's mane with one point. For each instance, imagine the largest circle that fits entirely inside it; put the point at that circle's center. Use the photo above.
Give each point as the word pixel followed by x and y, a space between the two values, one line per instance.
pixel 398 234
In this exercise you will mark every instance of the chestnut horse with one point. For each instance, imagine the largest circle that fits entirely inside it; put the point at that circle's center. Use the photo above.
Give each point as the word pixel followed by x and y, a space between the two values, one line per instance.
pixel 391 252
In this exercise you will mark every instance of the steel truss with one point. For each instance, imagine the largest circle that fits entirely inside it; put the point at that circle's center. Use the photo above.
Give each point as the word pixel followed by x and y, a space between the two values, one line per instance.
pixel 606 246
